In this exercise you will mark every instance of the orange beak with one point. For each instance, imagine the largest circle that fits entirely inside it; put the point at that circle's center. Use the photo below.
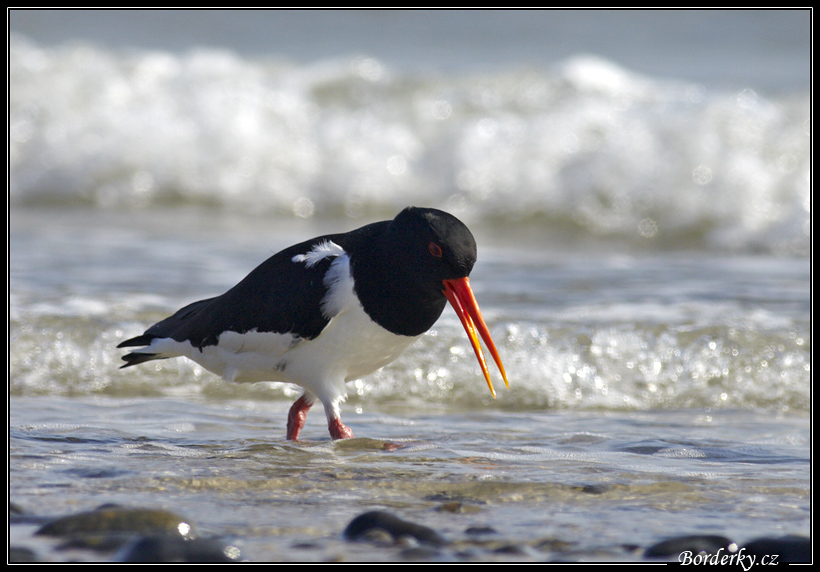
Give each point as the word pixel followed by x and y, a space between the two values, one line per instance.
pixel 460 296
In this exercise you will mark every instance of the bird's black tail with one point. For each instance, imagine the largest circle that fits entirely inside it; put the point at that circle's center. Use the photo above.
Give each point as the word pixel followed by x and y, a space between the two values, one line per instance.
pixel 136 358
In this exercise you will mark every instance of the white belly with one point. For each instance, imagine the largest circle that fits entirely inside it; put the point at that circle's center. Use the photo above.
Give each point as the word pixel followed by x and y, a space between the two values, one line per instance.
pixel 350 347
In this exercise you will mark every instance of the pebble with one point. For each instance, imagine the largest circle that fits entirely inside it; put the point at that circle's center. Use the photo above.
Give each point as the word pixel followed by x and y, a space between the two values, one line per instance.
pixel 364 524
pixel 176 549
pixel 19 555
pixel 118 520
pixel 478 530
pixel 696 544
pixel 134 535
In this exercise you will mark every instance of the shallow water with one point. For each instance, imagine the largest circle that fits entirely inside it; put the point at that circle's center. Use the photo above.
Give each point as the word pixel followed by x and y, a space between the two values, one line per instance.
pixel 591 482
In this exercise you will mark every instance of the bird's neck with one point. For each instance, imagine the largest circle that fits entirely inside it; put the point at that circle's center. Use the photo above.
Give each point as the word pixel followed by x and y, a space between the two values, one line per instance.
pixel 391 296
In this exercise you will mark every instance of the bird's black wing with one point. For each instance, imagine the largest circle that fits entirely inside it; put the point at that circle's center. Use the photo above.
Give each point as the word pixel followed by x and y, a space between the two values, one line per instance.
pixel 279 295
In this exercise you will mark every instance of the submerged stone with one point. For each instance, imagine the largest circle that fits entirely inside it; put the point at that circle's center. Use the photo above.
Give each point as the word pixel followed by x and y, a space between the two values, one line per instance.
pixel 176 549
pixel 118 520
pixel 365 524
pixel 695 544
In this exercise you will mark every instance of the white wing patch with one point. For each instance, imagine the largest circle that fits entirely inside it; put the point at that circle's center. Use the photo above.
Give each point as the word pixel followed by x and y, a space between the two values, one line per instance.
pixel 324 249
pixel 255 342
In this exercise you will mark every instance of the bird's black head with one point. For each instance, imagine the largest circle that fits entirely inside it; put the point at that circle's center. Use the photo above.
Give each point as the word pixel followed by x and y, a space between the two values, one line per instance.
pixel 400 270
pixel 438 252
pixel 411 267
pixel 434 244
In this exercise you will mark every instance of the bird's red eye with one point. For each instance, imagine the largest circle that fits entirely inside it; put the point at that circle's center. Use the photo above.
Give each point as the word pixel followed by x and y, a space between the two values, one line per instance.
pixel 434 249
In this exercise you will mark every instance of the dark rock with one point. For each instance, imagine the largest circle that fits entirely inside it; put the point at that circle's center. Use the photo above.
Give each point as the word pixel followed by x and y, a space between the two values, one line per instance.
pixel 117 520
pixel 696 544
pixel 17 515
pixel 366 523
pixel 95 542
pixel 790 549
pixel 448 497
pixel 15 510
pixel 477 530
pixel 554 545
pixel 19 554
pixel 176 549
pixel 512 549
pixel 594 489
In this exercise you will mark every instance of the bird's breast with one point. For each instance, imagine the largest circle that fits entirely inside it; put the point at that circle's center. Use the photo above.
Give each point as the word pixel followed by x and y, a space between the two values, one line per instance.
pixel 352 344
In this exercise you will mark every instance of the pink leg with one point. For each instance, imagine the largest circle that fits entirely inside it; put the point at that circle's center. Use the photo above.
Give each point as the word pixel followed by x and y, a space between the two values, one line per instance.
pixel 297 417
pixel 339 430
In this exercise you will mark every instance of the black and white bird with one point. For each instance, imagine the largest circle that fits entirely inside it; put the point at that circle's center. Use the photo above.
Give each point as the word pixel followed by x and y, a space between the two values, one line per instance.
pixel 330 310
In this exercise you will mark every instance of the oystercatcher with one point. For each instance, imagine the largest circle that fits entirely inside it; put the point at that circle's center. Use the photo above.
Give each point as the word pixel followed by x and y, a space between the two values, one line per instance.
pixel 330 310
